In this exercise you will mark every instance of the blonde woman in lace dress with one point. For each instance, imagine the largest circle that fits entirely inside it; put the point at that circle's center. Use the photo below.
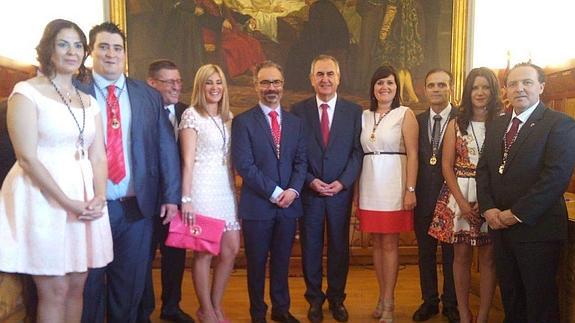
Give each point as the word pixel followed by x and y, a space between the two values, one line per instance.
pixel 207 182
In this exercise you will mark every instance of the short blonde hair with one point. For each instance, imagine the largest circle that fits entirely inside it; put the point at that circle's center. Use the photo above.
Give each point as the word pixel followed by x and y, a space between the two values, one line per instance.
pixel 199 97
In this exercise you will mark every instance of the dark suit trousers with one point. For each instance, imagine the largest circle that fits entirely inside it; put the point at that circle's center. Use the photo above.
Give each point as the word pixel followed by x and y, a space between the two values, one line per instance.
pixel 173 262
pixel 427 251
pixel 117 289
pixel 527 275
pixel 320 214
pixel 274 237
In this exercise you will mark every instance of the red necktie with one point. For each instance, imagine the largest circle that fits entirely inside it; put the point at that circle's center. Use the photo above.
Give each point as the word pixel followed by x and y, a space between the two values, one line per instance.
pixel 276 131
pixel 114 147
pixel 510 136
pixel 324 122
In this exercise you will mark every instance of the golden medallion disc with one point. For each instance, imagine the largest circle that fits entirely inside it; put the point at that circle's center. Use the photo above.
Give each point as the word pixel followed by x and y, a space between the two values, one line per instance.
pixel 115 123
pixel 501 169
pixel 432 160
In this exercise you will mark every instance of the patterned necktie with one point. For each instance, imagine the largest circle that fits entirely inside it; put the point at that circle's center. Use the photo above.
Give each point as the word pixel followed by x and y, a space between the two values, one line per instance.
pixel 276 131
pixel 324 122
pixel 114 147
pixel 511 135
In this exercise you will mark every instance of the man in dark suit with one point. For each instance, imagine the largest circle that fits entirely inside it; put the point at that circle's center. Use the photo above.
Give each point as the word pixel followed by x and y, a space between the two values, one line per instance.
pixel 432 125
pixel 143 172
pixel 333 126
pixel 269 153
pixel 164 76
pixel 525 167
pixel 7 158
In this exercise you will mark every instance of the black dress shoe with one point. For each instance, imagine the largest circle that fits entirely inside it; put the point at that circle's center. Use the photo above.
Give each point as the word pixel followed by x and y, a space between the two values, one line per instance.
pixel 284 318
pixel 451 313
pixel 339 312
pixel 425 312
pixel 179 317
pixel 315 313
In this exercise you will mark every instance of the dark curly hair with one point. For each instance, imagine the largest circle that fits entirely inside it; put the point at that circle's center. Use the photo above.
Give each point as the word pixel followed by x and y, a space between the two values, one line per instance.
pixel 45 48
pixel 380 73
pixel 466 109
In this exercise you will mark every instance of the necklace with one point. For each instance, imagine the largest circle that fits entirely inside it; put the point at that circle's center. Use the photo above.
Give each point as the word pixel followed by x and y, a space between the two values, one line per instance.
pixel 506 148
pixel 80 150
pixel 376 124
pixel 222 131
pixel 115 120
pixel 435 145
pixel 479 149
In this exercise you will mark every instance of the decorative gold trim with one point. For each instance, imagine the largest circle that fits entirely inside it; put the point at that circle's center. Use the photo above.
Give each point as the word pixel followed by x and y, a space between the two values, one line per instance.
pixel 458 38
pixel 118 16
pixel 459 46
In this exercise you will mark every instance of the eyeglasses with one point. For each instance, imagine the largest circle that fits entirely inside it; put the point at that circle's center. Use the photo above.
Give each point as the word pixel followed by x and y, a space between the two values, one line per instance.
pixel 171 82
pixel 268 83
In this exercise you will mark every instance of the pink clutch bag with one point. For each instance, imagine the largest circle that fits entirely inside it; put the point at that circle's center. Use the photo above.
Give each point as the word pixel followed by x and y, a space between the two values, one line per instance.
pixel 204 236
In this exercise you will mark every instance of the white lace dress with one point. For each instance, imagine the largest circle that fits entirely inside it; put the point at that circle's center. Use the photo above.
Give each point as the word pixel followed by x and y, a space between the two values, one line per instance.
pixel 37 236
pixel 212 191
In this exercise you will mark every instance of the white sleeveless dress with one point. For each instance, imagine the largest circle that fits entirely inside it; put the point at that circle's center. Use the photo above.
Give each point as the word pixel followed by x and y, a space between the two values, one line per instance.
pixel 37 236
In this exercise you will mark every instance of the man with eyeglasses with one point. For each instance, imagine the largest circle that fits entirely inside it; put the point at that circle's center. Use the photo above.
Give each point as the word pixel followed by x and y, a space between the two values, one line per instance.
pixel 333 126
pixel 164 76
pixel 269 153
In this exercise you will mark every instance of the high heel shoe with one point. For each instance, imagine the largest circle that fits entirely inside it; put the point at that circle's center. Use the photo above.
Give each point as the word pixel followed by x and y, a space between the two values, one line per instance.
pixel 387 313
pixel 378 310
pixel 203 317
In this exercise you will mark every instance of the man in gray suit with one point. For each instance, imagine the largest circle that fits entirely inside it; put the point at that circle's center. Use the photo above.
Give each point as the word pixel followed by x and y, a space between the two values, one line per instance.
pixel 143 173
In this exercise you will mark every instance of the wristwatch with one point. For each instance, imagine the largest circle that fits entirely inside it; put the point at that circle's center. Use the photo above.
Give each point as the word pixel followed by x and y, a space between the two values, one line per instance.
pixel 411 189
pixel 186 199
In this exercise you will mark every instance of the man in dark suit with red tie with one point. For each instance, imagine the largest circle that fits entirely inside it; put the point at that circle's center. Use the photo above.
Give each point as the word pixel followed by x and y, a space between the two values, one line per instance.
pixel 164 76
pixel 333 126
pixel 525 167
pixel 269 153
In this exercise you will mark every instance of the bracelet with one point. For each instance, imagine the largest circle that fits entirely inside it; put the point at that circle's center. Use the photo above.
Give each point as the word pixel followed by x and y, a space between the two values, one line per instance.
pixel 186 199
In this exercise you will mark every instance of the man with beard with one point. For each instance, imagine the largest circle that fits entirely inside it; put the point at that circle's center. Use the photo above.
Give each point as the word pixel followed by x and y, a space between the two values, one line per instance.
pixel 333 126
pixel 269 153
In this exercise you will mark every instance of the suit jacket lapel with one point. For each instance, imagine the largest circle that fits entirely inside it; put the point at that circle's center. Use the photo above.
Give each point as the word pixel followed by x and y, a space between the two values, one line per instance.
pixel 313 115
pixel 498 134
pixel 525 131
pixel 261 118
pixel 425 134
pixel 338 118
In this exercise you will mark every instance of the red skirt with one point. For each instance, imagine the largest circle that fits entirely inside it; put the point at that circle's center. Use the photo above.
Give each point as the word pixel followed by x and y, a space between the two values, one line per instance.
pixel 385 221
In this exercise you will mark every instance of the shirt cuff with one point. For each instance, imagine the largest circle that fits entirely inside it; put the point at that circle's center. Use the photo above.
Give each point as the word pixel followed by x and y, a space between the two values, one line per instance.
pixel 276 193
pixel 293 190
pixel 518 219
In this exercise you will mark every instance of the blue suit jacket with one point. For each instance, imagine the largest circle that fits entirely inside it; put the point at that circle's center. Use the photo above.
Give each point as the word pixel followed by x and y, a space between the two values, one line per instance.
pixel 155 158
pixel 254 158
pixel 342 158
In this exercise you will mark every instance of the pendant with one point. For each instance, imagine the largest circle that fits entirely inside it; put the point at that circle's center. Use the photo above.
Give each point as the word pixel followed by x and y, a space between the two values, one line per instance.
pixel 80 153
pixel 501 168
pixel 432 160
pixel 115 123
pixel 372 137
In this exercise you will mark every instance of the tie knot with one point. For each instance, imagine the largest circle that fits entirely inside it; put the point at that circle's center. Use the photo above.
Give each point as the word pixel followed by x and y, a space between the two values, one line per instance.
pixel 111 89
pixel 324 106
pixel 273 114
pixel 437 117
pixel 516 121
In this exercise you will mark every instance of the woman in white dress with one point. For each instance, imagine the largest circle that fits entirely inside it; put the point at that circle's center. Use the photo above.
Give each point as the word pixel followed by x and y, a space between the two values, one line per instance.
pixel 53 220
pixel 208 185
pixel 386 185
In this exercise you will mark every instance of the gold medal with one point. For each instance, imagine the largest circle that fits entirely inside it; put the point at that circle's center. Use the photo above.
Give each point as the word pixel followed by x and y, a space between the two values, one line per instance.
pixel 372 137
pixel 501 168
pixel 115 123
pixel 432 160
